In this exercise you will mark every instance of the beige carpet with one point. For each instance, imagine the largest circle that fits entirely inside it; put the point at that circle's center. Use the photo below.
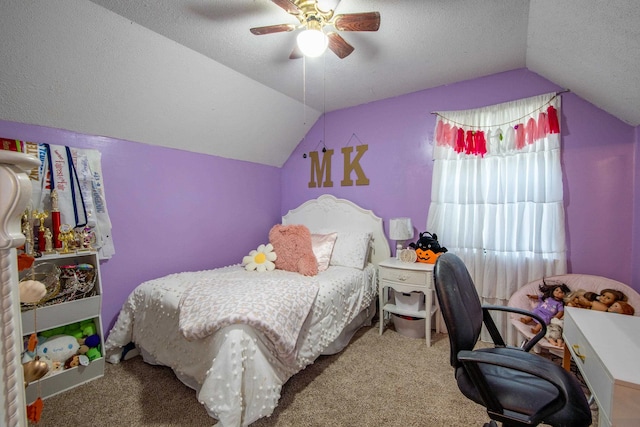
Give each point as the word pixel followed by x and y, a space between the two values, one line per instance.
pixel 387 380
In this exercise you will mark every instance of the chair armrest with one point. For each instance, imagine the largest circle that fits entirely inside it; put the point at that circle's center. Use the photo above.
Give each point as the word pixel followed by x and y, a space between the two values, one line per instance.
pixel 517 360
pixel 497 338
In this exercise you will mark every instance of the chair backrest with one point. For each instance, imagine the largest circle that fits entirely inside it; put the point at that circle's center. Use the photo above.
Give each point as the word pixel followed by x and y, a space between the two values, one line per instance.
pixel 459 303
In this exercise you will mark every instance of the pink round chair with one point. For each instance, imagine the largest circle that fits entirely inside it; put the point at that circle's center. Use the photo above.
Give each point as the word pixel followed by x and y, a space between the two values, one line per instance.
pixel 575 282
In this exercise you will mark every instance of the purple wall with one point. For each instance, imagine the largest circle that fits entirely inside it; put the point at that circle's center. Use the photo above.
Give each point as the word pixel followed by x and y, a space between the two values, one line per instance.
pixel 174 210
pixel 597 161
pixel 171 210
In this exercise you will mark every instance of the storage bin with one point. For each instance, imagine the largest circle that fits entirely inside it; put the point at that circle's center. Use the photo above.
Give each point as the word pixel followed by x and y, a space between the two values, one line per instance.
pixel 412 301
pixel 412 327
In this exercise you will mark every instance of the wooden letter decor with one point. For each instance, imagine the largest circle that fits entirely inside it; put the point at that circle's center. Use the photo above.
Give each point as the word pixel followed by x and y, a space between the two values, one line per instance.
pixel 322 170
pixel 354 166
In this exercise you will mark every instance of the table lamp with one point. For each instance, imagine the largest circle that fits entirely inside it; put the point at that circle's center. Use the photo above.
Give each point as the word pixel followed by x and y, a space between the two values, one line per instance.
pixel 400 230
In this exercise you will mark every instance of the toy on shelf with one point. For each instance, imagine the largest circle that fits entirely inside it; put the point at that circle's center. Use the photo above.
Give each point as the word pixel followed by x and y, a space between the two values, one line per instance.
pixel 65 347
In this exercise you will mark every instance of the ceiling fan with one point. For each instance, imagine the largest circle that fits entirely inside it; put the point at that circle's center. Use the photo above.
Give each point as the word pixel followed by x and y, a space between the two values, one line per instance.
pixel 314 16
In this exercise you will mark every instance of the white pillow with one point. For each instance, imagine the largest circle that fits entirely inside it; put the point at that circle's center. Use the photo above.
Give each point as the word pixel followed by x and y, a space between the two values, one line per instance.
pixel 351 249
pixel 322 245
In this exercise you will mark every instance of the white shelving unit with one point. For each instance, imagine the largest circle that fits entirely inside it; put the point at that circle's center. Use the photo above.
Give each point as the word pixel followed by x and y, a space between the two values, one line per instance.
pixel 62 314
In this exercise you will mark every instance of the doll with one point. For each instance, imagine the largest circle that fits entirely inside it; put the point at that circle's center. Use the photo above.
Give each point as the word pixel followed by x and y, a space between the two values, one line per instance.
pixel 551 304
pixel 586 299
pixel 621 307
pixel 573 298
pixel 606 298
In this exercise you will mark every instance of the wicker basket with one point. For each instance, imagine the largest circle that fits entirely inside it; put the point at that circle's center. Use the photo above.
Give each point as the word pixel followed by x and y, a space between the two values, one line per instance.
pixel 46 273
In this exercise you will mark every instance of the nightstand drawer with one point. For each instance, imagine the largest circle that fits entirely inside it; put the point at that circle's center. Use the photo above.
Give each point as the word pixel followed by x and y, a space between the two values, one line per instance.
pixel 404 276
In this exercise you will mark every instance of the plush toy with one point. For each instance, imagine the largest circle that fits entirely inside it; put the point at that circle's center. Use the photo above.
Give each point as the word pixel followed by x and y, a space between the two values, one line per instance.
pixel 260 259
pixel 72 362
pixel 292 243
pixel 58 348
pixel 554 332
pixel 427 248
pixel 31 291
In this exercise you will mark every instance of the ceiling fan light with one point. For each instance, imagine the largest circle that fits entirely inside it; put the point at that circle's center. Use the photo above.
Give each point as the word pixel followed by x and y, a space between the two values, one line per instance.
pixel 312 43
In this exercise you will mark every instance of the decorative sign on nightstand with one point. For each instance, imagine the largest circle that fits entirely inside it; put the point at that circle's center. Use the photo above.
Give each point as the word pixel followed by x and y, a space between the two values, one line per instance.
pixel 408 255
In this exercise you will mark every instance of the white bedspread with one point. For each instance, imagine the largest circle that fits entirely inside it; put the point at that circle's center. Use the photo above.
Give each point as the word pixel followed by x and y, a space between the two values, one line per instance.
pixel 274 303
pixel 234 372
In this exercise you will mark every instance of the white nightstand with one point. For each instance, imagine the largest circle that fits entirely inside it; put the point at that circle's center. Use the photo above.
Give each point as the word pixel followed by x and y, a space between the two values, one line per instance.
pixel 407 277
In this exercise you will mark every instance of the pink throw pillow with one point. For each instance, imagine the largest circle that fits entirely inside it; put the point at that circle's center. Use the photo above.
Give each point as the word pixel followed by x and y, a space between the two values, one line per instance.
pixel 322 245
pixel 292 245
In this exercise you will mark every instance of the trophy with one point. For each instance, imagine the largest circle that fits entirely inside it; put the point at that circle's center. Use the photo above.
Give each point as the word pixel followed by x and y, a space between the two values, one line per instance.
pixel 66 236
pixel 41 216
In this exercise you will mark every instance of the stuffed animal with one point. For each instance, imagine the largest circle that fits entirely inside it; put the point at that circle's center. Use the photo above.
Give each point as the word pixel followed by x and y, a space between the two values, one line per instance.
pixel 554 332
pixel 58 348
pixel 427 248
pixel 292 243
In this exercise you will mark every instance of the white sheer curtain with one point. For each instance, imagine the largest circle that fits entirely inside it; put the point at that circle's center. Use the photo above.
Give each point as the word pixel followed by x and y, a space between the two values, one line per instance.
pixel 496 199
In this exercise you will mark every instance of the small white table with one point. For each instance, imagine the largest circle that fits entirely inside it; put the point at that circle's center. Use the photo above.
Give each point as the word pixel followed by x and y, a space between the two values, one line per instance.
pixel 407 277
pixel 606 349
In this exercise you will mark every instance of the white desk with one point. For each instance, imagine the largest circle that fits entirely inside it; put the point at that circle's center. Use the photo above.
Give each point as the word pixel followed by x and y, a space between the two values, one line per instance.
pixel 606 349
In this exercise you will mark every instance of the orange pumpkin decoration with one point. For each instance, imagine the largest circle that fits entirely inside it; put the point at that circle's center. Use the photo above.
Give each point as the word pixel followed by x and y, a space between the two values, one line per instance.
pixel 428 256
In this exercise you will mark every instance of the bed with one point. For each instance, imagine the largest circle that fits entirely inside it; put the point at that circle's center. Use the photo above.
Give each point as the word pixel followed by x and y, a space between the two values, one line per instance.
pixel 238 370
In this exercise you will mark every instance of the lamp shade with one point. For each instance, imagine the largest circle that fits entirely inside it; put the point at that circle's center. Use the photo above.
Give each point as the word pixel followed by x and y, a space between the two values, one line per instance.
pixel 400 229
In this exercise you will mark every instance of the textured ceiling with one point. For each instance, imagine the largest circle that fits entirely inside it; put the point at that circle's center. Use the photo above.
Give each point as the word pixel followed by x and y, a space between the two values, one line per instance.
pixel 188 74
pixel 591 47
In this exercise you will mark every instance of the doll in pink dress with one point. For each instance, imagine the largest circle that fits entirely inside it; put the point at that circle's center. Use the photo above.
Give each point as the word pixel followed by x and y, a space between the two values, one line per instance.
pixel 550 304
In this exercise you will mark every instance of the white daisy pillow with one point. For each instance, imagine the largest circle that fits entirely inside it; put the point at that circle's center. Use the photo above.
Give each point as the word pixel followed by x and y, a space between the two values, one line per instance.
pixel 260 259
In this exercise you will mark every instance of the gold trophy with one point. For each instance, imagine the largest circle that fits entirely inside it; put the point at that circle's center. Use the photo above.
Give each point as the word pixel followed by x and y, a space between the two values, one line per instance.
pixel 67 237
pixel 41 216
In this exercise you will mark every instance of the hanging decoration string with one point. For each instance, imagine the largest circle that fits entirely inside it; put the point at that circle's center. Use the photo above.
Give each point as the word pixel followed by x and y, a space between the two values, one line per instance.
pixel 324 100
pixel 518 120
pixel 304 91
pixel 353 135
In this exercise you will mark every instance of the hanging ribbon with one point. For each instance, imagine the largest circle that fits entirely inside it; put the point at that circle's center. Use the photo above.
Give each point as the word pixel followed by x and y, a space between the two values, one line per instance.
pixel 67 194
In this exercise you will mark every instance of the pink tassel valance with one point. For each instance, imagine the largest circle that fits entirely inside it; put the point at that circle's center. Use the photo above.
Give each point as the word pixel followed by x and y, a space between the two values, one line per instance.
pixel 474 141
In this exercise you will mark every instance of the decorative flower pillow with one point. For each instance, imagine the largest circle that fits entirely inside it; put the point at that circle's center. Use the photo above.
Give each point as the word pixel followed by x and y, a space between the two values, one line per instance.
pixel 260 259
pixel 292 243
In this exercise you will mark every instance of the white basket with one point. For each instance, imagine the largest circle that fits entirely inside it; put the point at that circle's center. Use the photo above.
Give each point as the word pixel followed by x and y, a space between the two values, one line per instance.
pixel 412 301
pixel 412 328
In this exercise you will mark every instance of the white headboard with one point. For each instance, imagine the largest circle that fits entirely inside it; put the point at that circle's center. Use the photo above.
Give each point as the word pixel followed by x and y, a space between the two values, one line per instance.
pixel 330 213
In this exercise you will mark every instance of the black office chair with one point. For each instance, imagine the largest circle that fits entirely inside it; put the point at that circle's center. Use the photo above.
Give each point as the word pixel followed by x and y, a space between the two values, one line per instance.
pixel 517 388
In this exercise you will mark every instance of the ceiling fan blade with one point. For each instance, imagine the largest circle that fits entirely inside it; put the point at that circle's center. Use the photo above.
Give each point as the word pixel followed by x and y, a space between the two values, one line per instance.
pixel 367 21
pixel 270 29
pixel 296 53
pixel 289 6
pixel 339 46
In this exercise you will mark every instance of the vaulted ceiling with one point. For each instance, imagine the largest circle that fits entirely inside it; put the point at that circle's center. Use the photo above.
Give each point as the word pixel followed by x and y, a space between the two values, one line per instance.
pixel 591 47
pixel 234 94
